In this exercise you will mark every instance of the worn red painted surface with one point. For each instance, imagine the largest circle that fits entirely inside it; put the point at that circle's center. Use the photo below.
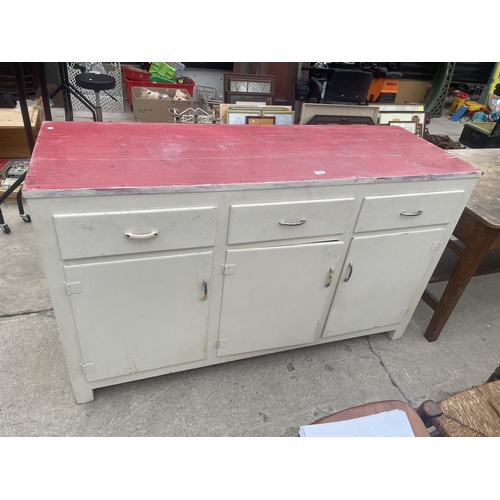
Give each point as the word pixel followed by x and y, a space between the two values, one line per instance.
pixel 79 155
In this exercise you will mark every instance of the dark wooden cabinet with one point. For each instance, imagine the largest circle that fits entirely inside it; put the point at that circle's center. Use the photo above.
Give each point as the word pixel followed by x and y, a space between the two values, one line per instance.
pixel 285 73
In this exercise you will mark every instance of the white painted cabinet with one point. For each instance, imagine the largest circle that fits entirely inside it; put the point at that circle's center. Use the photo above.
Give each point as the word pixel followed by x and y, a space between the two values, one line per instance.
pixel 242 241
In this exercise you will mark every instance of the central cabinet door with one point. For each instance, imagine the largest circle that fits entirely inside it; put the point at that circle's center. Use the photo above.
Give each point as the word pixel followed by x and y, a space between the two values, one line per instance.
pixel 380 278
pixel 141 314
pixel 274 297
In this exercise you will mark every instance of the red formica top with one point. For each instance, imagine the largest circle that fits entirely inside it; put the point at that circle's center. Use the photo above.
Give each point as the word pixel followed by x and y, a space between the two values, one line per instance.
pixel 101 156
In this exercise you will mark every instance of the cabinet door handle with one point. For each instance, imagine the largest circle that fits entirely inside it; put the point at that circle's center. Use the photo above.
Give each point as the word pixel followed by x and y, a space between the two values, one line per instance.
pixel 133 236
pixel 205 290
pixel 412 214
pixel 298 223
pixel 330 277
pixel 349 272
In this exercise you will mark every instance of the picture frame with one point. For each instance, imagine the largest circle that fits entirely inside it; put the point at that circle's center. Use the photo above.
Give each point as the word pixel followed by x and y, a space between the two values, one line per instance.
pixel 238 117
pixel 224 108
pixel 261 120
pixel 282 117
pixel 411 126
pixel 240 97
pixel 308 110
pixel 384 117
pixel 396 107
pixel 251 104
pixel 340 120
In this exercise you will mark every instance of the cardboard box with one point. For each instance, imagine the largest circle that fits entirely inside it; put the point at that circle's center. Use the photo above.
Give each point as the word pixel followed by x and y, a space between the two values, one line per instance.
pixel 411 91
pixel 158 110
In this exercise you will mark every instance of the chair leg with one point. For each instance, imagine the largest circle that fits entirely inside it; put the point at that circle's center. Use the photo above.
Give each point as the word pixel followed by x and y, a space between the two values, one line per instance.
pixel 495 375
pixel 427 411
pixel 19 198
pixel 5 227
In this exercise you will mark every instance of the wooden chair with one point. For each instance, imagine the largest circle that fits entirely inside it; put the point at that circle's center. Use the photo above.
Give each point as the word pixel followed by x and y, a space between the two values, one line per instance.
pixel 419 429
pixel 471 413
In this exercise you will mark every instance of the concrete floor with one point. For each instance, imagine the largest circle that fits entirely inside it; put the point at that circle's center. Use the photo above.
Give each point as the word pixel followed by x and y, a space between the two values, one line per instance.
pixel 271 395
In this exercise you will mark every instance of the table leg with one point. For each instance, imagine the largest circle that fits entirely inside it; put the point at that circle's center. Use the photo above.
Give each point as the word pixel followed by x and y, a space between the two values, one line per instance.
pixel 470 259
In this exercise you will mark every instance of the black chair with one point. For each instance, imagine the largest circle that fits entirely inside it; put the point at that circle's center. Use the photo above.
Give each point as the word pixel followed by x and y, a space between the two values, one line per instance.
pixel 346 86
pixel 96 82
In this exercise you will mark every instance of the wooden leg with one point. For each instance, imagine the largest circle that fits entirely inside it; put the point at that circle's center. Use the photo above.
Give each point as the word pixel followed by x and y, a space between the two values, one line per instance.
pixel 470 259
pixel 495 375
pixel 427 411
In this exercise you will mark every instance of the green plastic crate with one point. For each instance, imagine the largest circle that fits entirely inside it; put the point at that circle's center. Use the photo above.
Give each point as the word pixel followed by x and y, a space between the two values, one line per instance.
pixel 163 70
pixel 158 78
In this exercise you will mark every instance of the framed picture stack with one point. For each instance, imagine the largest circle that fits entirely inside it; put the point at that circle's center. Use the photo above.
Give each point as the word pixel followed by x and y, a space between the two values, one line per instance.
pixel 265 115
pixel 413 121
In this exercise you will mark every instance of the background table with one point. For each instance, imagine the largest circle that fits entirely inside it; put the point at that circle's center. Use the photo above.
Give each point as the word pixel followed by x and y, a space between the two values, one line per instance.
pixel 478 230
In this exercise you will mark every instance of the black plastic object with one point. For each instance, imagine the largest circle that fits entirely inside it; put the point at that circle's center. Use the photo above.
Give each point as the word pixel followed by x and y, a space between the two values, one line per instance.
pixel 474 138
pixel 348 86
pixel 6 100
pixel 95 81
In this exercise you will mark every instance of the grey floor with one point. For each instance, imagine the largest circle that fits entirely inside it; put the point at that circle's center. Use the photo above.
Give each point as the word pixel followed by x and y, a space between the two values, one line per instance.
pixel 265 396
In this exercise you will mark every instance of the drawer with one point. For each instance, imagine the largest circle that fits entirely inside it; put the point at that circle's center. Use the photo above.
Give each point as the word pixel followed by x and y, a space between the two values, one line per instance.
pixel 408 210
pixel 128 232
pixel 281 221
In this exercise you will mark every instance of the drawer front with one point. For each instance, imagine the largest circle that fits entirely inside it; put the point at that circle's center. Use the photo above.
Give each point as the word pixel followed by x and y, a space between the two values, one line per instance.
pixel 408 210
pixel 281 221
pixel 119 233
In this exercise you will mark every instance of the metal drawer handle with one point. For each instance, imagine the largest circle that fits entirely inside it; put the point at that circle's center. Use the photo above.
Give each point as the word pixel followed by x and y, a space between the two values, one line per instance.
pixel 133 236
pixel 330 277
pixel 299 223
pixel 412 214
pixel 205 290
pixel 349 272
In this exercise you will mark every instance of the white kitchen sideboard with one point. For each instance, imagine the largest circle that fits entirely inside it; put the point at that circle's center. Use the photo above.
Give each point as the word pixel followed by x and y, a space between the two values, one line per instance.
pixel 169 247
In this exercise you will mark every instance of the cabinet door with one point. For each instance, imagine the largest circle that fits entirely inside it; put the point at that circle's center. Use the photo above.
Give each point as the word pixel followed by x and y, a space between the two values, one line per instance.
pixel 140 314
pixel 379 280
pixel 274 297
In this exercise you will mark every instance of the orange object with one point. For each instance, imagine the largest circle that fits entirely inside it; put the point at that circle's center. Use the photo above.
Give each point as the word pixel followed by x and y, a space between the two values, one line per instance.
pixel 383 90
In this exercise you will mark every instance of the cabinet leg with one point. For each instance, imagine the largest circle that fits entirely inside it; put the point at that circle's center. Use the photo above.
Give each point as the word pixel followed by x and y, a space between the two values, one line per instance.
pixel 83 394
pixel 396 334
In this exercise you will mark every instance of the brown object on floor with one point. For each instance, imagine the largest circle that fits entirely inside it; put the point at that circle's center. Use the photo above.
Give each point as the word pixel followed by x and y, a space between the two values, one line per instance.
pixel 442 141
pixel 471 413
pixel 416 423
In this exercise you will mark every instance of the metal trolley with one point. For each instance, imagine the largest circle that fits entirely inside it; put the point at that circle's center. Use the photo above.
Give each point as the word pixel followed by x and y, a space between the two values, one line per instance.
pixel 21 90
pixel 208 97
